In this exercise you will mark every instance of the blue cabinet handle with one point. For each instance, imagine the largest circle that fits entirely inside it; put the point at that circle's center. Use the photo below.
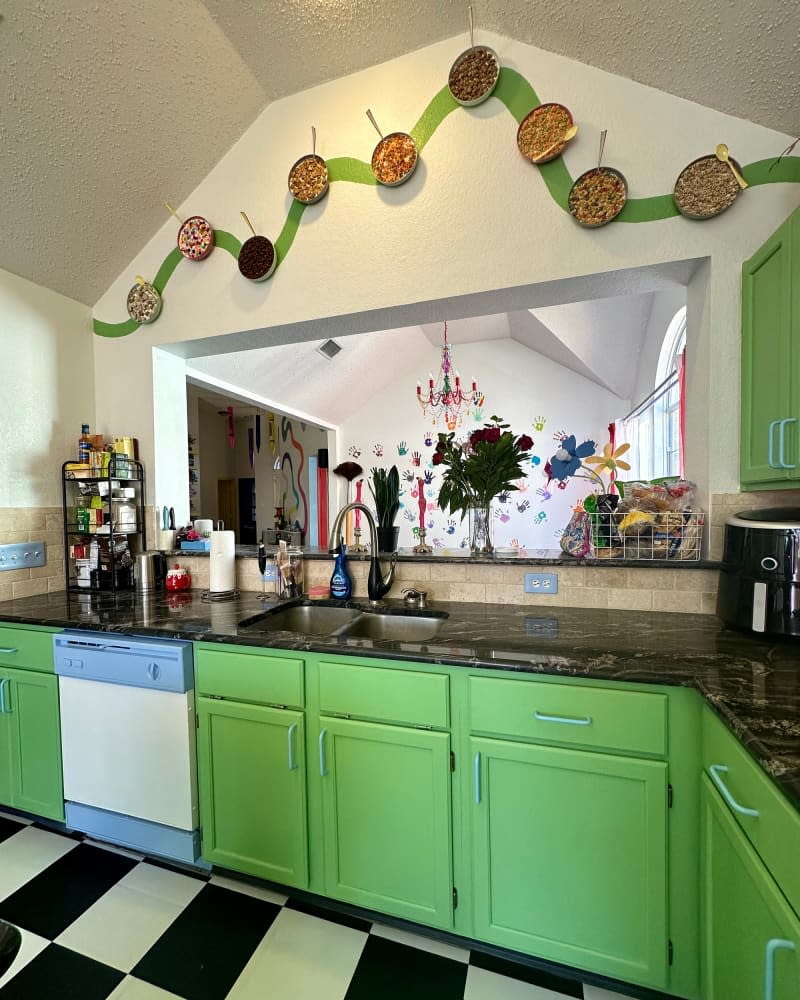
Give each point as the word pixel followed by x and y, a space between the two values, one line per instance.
pixel 292 761
pixel 477 778
pixel 322 769
pixel 586 720
pixel 8 649
pixel 771 439
pixel 769 964
pixel 782 463
pixel 4 709
pixel 715 770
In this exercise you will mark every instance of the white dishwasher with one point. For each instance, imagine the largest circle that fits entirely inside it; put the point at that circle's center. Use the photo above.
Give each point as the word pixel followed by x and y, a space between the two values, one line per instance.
pixel 128 740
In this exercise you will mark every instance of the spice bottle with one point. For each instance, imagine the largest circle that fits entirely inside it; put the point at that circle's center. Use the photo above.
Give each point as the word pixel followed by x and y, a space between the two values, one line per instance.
pixel 84 444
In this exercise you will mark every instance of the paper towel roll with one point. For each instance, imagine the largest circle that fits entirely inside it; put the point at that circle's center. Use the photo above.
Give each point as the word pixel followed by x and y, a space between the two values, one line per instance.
pixel 222 571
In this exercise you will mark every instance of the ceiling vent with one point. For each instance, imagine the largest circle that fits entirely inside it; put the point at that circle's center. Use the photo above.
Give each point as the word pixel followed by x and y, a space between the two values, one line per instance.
pixel 329 349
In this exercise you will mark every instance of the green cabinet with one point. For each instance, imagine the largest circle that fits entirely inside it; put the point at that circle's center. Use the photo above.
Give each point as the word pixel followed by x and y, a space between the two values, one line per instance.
pixel 30 743
pixel 770 411
pixel 251 762
pixel 752 936
pixel 569 854
pixel 386 815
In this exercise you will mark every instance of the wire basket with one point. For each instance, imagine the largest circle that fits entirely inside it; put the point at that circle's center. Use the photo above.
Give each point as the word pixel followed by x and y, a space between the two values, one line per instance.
pixel 668 535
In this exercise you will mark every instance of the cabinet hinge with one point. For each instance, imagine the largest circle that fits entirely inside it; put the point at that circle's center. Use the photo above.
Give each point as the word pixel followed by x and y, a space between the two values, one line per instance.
pixel 669 796
pixel 455 898
pixel 669 952
pixel 452 761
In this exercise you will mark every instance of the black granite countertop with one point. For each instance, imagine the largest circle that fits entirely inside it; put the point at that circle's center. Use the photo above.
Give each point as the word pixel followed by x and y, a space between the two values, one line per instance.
pixel 752 683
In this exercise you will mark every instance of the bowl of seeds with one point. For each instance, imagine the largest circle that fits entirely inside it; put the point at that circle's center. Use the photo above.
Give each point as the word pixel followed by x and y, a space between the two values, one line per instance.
pixel 705 188
pixel 308 179
pixel 474 75
pixel 144 302
pixel 598 196
pixel 540 136
pixel 394 159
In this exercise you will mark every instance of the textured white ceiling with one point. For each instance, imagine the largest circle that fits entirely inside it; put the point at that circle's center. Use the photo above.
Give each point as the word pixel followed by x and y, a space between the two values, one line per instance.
pixel 110 109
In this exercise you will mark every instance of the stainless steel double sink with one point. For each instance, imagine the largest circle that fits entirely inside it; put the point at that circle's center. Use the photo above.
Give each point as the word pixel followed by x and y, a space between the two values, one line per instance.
pixel 322 618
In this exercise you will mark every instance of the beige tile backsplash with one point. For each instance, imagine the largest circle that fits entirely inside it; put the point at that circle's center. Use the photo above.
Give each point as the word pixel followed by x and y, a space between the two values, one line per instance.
pixel 655 588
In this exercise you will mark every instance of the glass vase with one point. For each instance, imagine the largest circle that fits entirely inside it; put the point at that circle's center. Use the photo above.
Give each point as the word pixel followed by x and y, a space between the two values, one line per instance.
pixel 480 529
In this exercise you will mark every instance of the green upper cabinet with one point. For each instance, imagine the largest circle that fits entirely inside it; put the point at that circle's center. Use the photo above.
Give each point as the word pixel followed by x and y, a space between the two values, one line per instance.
pixel 770 431
pixel 569 855
pixel 386 818
pixel 30 743
pixel 752 937
pixel 251 762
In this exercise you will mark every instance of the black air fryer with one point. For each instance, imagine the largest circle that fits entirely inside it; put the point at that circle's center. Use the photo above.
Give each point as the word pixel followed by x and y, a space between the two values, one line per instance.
pixel 759 585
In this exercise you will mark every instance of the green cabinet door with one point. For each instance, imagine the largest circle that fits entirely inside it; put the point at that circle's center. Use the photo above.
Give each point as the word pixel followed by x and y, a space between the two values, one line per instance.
pixel 251 767
pixel 769 432
pixel 386 817
pixel 752 944
pixel 30 732
pixel 569 857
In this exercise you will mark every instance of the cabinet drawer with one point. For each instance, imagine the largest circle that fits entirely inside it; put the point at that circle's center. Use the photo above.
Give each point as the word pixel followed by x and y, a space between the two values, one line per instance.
pixel 386 695
pixel 27 648
pixel 775 831
pixel 602 718
pixel 254 677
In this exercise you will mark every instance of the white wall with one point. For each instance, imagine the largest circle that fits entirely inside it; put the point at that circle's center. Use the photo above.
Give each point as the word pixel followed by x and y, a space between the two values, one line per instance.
pixel 520 386
pixel 475 218
pixel 48 389
pixel 665 305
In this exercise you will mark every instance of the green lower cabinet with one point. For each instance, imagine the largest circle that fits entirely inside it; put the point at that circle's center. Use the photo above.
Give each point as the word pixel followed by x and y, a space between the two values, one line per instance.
pixel 30 743
pixel 569 857
pixel 752 944
pixel 386 818
pixel 251 763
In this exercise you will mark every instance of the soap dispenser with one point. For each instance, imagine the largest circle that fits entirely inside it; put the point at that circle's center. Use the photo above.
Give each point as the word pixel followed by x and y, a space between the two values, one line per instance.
pixel 341 584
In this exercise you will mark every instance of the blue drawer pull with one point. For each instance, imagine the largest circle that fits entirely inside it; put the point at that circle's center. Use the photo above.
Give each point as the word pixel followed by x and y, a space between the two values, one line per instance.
pixel 715 770
pixel 771 440
pixel 782 463
pixel 8 649
pixel 477 779
pixel 586 720
pixel 4 709
pixel 292 761
pixel 322 769
pixel 769 964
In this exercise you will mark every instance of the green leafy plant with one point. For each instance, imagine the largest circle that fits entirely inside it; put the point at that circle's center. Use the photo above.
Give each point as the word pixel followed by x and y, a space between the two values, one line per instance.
pixel 486 464
pixel 385 490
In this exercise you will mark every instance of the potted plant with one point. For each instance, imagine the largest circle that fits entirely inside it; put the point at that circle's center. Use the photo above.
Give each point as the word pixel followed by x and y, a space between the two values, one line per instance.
pixel 385 490
pixel 489 462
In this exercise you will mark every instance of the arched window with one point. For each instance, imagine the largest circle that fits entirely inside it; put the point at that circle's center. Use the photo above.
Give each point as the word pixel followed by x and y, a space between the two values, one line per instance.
pixel 654 428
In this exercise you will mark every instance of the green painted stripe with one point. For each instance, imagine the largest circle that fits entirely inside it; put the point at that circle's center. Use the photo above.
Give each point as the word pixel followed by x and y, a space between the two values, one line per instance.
pixel 519 97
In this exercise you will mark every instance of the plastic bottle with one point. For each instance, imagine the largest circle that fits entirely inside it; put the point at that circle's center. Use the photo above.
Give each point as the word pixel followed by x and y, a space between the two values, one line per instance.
pixel 341 584
pixel 84 444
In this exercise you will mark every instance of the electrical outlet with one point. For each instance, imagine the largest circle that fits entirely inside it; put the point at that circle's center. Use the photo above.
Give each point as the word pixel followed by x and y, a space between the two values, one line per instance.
pixel 541 583
pixel 22 555
pixel 270 574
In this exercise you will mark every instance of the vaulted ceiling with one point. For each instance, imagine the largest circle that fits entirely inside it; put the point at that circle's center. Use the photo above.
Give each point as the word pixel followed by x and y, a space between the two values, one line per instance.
pixel 109 108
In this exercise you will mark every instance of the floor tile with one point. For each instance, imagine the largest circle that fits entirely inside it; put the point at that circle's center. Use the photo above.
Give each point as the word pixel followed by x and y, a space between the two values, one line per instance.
pixel 420 941
pixel 126 852
pixel 393 971
pixel 558 985
pixel 121 927
pixel 203 952
pixel 256 891
pixel 8 827
pixel 49 903
pixel 30 947
pixel 136 989
pixel 28 853
pixel 60 974
pixel 163 883
pixel 334 916
pixel 485 985
pixel 302 958
pixel 16 819
pixel 595 993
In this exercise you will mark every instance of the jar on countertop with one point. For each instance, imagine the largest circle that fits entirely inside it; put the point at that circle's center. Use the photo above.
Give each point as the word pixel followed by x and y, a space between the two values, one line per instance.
pixel 178 578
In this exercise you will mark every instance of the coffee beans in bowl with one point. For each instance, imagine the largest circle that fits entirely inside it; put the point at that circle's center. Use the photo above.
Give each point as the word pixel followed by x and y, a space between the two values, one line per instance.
pixel 257 258
pixel 598 196
pixel 705 188
pixel 473 76
pixel 394 159
pixel 308 179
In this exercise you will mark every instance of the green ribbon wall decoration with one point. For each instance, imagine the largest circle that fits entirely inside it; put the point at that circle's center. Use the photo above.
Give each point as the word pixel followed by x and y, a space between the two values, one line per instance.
pixel 519 97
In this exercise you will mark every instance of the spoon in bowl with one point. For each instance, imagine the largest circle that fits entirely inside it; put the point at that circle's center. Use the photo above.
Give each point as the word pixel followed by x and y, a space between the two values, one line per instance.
pixel 724 156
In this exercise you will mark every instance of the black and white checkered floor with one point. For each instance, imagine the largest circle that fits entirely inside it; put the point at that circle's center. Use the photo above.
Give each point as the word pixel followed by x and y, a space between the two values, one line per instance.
pixel 97 922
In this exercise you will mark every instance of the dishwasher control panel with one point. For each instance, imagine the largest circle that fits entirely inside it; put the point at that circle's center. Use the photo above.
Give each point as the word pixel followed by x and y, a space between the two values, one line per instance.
pixel 163 665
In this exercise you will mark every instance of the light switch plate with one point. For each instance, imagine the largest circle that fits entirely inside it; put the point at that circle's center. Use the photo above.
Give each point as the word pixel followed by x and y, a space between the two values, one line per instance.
pixel 541 583
pixel 22 555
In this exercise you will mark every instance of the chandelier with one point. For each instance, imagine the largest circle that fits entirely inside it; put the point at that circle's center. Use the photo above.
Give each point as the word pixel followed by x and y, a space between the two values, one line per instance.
pixel 447 399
